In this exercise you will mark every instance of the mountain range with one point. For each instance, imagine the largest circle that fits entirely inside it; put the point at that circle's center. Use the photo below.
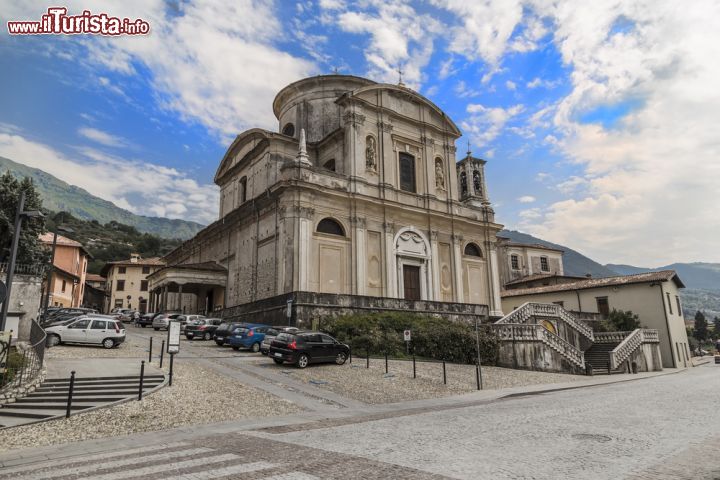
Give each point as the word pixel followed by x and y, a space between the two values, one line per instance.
pixel 59 196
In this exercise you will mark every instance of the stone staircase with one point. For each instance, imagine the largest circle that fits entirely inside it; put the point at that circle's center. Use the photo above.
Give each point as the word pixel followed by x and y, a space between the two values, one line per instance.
pixel 598 357
pixel 49 400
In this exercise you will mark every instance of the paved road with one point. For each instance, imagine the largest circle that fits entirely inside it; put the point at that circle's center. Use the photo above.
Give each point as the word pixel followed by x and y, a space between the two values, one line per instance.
pixel 656 428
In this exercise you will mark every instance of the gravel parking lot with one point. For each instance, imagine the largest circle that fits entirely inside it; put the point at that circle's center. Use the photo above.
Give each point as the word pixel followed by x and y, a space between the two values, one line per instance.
pixel 374 386
pixel 198 396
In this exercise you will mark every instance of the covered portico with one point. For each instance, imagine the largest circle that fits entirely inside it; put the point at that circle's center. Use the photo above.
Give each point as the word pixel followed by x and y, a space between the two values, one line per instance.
pixel 188 288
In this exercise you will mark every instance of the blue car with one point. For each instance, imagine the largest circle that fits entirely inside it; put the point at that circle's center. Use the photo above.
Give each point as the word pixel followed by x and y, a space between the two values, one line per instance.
pixel 248 335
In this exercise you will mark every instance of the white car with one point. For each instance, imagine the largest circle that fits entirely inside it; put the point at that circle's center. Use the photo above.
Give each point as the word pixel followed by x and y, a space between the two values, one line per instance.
pixel 87 330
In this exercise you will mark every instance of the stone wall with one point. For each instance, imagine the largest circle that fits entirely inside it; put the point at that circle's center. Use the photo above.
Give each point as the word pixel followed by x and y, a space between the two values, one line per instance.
pixel 531 355
pixel 309 306
pixel 25 298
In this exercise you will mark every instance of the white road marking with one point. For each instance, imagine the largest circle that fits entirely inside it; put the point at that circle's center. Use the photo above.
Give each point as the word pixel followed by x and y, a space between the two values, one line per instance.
pixel 89 458
pixel 139 472
pixel 116 463
pixel 223 472
pixel 293 476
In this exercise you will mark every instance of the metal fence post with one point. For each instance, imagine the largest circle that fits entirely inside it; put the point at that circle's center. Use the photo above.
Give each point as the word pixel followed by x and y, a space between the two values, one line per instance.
pixel 150 351
pixel 142 377
pixel 162 352
pixel 367 358
pixel 444 374
pixel 172 355
pixel 22 367
pixel 350 353
pixel 71 387
pixel 386 365
pixel 414 371
pixel 477 375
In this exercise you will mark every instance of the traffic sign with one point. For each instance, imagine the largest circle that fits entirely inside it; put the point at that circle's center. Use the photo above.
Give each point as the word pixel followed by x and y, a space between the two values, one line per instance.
pixel 406 334
pixel 173 342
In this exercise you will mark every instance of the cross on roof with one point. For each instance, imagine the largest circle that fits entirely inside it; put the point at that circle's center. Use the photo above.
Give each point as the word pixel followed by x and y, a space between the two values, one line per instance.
pixel 469 152
pixel 400 74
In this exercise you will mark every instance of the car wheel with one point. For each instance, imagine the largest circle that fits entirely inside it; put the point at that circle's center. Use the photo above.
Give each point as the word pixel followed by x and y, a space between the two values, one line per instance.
pixel 279 361
pixel 207 336
pixel 303 361
pixel 341 358
pixel 156 329
pixel 236 348
pixel 108 343
pixel 53 340
pixel 255 347
pixel 143 325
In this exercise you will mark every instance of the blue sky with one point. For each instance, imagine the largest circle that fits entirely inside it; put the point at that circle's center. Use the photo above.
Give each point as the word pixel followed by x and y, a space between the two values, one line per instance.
pixel 599 124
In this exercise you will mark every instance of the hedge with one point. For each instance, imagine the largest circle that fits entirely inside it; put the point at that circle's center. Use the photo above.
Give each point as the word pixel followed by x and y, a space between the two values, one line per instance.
pixel 432 337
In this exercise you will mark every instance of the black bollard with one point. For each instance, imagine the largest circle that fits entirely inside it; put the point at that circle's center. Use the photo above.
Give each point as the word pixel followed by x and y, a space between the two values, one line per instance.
pixel 350 354
pixel 414 371
pixel 71 387
pixel 386 366
pixel 150 351
pixel 142 377
pixel 162 352
pixel 444 374
pixel 477 375
pixel 172 355
pixel 367 358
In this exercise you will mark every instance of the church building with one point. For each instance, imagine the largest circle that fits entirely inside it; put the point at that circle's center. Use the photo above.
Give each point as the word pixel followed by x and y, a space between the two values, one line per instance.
pixel 356 203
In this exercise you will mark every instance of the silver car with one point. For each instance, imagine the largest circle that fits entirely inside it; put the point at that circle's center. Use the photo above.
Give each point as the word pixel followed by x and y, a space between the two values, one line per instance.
pixel 87 330
pixel 162 321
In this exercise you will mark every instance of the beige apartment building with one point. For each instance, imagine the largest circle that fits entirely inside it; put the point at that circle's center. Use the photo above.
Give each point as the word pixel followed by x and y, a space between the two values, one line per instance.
pixel 127 282
pixel 67 285
pixel 524 260
pixel 654 297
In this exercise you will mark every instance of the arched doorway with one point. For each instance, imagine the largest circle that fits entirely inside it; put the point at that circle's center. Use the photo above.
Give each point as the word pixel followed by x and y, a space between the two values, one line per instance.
pixel 412 255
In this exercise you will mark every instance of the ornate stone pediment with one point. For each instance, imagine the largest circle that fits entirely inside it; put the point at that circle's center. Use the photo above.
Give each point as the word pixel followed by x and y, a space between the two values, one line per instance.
pixel 410 243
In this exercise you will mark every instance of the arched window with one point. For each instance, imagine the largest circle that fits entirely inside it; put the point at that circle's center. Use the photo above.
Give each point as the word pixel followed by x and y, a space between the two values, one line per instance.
pixel 407 172
pixel 331 227
pixel 473 250
pixel 289 130
pixel 330 164
pixel 242 190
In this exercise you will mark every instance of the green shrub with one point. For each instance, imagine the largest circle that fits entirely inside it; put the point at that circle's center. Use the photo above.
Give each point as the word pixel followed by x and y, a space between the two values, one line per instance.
pixel 432 337
pixel 14 363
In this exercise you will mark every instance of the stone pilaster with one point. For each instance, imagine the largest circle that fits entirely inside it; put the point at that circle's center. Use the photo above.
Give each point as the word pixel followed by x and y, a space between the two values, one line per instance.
pixel 495 301
pixel 359 255
pixel 457 268
pixel 436 295
pixel 390 261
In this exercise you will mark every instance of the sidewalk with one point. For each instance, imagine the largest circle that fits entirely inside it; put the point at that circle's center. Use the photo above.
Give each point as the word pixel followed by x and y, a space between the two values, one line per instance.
pixel 308 420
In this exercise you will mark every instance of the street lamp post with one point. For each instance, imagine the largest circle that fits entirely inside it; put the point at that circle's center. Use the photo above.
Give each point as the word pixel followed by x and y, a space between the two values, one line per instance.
pixel 19 215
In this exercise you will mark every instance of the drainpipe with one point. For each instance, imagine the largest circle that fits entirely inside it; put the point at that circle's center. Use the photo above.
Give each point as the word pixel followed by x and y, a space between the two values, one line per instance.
pixel 577 292
pixel 667 324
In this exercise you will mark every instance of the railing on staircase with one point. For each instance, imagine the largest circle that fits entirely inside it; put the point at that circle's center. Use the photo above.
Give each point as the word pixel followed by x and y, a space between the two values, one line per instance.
pixel 529 310
pixel 533 332
pixel 611 337
pixel 630 343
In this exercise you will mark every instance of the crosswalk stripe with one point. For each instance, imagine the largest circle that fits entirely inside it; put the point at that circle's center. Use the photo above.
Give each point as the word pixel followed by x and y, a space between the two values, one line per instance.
pixel 116 463
pixel 89 458
pixel 293 476
pixel 223 472
pixel 139 472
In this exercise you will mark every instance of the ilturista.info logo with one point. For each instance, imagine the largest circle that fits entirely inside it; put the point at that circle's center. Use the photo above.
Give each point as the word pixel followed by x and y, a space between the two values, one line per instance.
pixel 56 21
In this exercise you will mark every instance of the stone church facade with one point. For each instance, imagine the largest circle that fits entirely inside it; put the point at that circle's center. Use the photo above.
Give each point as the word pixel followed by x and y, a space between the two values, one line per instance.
pixel 357 204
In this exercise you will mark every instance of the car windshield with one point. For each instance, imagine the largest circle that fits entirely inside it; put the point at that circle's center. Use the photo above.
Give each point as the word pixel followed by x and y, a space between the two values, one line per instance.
pixel 240 330
pixel 285 337
pixel 198 322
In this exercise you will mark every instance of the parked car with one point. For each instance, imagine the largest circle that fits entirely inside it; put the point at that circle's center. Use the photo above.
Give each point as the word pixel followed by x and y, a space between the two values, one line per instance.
pixel 271 334
pixel 186 319
pixel 87 330
pixel 163 320
pixel 65 313
pixel 223 332
pixel 146 319
pixel 248 336
pixel 304 348
pixel 126 315
pixel 203 328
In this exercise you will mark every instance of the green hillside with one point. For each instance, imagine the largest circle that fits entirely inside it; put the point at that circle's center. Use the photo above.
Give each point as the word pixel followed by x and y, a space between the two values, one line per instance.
pixel 59 196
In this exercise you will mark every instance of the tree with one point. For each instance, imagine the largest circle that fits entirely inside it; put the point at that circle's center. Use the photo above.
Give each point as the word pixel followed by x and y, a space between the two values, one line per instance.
pixel 716 327
pixel 701 327
pixel 30 249
pixel 623 321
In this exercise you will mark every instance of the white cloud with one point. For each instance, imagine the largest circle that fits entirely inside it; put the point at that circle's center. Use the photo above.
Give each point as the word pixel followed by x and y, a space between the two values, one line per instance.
pixel 101 137
pixel 539 82
pixel 510 85
pixel 526 199
pixel 400 37
pixel 141 187
pixel 485 123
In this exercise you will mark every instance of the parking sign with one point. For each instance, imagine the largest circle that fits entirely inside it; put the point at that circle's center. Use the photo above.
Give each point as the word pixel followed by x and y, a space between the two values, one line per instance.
pixel 173 342
pixel 406 334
